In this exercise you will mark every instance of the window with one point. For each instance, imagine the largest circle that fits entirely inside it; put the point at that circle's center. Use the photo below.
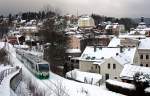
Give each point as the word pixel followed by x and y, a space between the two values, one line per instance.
pixel 141 56
pixel 96 66
pixel 108 65
pixel 114 66
pixel 141 64
pixel 147 56
pixel 77 61
pixel 146 65
pixel 115 77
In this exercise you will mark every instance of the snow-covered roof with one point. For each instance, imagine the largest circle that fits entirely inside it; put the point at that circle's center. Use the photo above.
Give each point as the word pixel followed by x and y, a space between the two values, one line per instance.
pixel 114 42
pixel 124 59
pixel 99 62
pixel 140 32
pixel 132 36
pixel 70 33
pixel 78 36
pixel 21 46
pixel 141 25
pixel 73 51
pixel 129 71
pixel 109 27
pixel 104 53
pixel 144 44
pixel 81 76
pixel 29 28
pixel 22 21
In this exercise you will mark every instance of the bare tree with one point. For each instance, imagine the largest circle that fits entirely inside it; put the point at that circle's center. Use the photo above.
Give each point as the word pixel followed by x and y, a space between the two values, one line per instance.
pixel 4 56
pixel 60 89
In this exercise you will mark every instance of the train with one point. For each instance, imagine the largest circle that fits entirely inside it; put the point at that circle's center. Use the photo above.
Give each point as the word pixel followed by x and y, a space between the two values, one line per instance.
pixel 39 67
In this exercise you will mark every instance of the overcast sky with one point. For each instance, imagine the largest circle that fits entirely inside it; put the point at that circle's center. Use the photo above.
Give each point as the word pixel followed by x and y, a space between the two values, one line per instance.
pixel 117 8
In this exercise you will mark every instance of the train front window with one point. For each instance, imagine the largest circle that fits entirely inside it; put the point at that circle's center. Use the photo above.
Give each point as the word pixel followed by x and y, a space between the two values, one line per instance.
pixel 43 67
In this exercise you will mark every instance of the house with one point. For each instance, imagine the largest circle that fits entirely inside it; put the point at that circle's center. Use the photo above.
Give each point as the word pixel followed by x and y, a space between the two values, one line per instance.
pixel 30 33
pixel 143 48
pixel 86 22
pixel 126 42
pixel 128 72
pixel 144 52
pixel 115 29
pixel 107 61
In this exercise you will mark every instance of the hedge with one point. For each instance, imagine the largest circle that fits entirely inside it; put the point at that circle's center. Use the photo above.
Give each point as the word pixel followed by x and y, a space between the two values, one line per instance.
pixel 120 88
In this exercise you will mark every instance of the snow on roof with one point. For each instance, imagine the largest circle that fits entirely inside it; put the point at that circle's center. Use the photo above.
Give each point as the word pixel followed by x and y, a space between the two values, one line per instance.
pixel 99 62
pixel 121 84
pixel 144 43
pixel 21 46
pixel 132 36
pixel 142 25
pixel 82 76
pixel 22 21
pixel 104 53
pixel 109 27
pixel 73 51
pixel 147 90
pixel 129 71
pixel 123 59
pixel 70 33
pixel 115 26
pixel 114 42
pixel 29 28
pixel 141 32
pixel 85 17
pixel 78 36
pixel 2 44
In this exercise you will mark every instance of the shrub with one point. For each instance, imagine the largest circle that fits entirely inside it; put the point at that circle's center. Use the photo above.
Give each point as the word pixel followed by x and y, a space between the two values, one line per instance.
pixel 121 87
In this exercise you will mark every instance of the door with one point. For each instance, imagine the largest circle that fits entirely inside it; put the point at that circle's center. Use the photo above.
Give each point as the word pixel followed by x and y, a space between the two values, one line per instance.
pixel 106 76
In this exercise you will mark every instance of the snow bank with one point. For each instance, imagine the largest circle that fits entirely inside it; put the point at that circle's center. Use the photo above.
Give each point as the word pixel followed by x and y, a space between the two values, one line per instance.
pixel 85 77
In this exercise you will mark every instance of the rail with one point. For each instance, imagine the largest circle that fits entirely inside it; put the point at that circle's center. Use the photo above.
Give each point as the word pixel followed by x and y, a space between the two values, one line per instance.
pixel 6 72
pixel 15 81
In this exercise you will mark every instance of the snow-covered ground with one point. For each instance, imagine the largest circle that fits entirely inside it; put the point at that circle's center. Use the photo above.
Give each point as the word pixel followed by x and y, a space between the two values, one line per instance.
pixel 86 77
pixel 79 89
pixel 51 86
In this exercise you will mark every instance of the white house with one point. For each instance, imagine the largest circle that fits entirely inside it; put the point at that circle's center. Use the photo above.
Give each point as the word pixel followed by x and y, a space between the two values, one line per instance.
pixel 108 62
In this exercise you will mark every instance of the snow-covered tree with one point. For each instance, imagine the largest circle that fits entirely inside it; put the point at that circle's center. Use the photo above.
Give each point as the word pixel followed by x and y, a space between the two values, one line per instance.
pixel 141 82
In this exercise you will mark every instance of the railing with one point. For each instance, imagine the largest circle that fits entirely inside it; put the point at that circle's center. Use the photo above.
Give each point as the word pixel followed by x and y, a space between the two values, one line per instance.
pixel 6 72
pixel 14 82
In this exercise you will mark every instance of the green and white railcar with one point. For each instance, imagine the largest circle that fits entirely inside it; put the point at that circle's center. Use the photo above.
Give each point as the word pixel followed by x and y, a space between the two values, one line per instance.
pixel 39 67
